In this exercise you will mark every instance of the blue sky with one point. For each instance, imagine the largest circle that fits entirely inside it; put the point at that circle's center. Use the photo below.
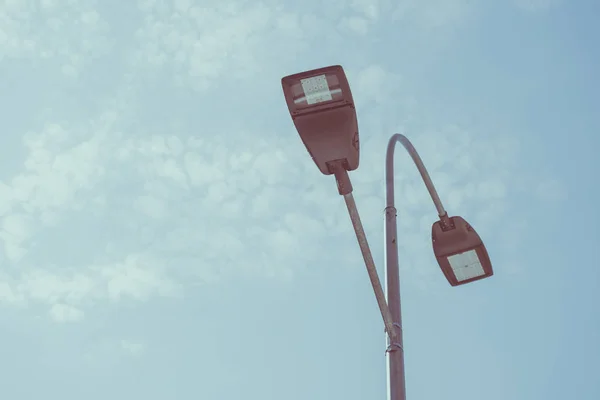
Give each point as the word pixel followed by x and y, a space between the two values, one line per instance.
pixel 164 233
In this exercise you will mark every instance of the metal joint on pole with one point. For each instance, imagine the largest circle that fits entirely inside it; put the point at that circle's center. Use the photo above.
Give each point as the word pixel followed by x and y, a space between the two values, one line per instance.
pixel 391 212
pixel 394 347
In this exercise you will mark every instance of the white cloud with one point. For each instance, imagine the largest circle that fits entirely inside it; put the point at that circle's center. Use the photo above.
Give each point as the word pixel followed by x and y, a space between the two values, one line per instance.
pixel 70 36
pixel 433 14
pixel 6 198
pixel 200 45
pixel 67 291
pixel 369 8
pixel 65 313
pixel 136 278
pixel 48 287
pixel 7 294
pixel 133 348
pixel 374 84
pixel 358 25
pixel 109 352
pixel 152 206
pixel 16 230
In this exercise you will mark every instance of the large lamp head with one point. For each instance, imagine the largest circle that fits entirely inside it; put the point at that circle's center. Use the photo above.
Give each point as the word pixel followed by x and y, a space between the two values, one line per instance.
pixel 322 108
pixel 460 251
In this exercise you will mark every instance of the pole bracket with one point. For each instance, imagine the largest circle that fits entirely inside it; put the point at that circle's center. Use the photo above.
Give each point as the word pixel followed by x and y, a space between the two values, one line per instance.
pixel 394 347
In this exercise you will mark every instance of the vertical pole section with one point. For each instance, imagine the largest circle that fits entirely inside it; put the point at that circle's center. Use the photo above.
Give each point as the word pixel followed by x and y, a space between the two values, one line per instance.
pixel 395 350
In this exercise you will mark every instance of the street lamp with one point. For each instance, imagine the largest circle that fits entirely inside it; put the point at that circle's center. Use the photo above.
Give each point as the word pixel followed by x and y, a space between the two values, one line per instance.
pixel 322 108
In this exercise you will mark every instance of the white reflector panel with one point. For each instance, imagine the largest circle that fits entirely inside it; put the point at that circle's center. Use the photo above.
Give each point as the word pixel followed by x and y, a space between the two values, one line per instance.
pixel 316 89
pixel 466 265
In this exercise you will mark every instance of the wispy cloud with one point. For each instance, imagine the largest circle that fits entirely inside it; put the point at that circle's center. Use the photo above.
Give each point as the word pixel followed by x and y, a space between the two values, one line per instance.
pixel 69 34
pixel 435 14
pixel 132 347
pixel 126 206
pixel 65 313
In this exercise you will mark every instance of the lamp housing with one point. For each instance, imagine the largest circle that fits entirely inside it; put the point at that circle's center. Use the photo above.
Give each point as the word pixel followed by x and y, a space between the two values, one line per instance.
pixel 460 252
pixel 322 108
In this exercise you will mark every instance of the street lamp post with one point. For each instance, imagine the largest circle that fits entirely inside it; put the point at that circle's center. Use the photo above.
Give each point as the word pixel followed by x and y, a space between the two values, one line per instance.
pixel 322 108
pixel 452 238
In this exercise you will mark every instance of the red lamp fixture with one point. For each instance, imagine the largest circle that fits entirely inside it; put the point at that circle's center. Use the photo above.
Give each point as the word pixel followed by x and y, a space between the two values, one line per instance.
pixel 322 109
pixel 460 251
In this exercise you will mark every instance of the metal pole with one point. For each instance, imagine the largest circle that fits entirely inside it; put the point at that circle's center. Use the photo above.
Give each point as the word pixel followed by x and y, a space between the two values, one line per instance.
pixel 395 351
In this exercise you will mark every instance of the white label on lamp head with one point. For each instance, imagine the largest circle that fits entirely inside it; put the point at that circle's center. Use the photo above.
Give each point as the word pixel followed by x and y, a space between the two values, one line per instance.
pixel 316 89
pixel 466 265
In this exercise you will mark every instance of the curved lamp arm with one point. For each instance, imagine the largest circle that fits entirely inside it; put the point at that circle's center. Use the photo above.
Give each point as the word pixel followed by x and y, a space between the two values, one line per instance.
pixel 389 172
